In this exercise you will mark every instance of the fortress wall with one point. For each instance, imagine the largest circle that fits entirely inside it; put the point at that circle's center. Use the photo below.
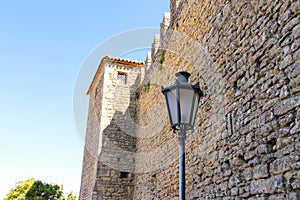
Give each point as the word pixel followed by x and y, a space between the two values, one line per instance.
pixel 246 144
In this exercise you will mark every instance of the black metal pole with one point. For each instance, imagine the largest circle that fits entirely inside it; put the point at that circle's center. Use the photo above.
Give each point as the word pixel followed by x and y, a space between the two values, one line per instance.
pixel 181 140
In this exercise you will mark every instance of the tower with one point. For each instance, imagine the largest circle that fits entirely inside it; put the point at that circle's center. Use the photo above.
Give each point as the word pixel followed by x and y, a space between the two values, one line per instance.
pixel 110 134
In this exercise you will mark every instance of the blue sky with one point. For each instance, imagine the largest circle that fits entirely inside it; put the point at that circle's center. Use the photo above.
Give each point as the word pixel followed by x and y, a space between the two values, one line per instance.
pixel 43 45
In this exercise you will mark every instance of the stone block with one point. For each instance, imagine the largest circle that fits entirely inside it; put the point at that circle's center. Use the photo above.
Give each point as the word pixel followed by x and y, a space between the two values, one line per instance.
pixel 293 195
pixel 280 165
pixel 286 105
pixel 296 31
pixel 261 171
pixel 296 128
pixel 262 149
pixel 296 165
pixel 267 186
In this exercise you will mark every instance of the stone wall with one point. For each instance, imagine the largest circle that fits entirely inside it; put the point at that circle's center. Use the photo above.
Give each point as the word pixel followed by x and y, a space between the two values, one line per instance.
pixel 116 159
pixel 110 140
pixel 91 148
pixel 173 8
pixel 246 144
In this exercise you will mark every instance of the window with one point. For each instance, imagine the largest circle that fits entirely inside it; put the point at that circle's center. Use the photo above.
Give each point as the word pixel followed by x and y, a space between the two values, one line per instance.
pixel 124 174
pixel 122 78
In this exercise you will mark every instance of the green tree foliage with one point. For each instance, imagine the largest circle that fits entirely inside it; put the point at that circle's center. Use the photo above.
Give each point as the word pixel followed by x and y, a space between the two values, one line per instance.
pixel 20 191
pixel 42 191
pixel 71 196
pixel 37 190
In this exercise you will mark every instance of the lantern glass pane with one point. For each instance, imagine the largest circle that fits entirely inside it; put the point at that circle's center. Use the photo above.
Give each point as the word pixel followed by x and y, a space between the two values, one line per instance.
pixel 186 101
pixel 195 108
pixel 173 106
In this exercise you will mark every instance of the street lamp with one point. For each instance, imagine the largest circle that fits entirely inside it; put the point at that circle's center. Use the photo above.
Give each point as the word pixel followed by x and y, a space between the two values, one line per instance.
pixel 182 102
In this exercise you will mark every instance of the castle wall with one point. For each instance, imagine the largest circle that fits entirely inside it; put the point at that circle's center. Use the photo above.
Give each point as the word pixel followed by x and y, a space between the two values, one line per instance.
pixel 173 8
pixel 246 143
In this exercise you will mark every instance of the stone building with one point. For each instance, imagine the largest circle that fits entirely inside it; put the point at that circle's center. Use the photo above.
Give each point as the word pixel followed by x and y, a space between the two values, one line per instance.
pixel 111 99
pixel 246 143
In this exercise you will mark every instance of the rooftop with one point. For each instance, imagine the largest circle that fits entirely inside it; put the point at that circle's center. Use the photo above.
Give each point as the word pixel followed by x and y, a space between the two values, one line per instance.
pixel 117 60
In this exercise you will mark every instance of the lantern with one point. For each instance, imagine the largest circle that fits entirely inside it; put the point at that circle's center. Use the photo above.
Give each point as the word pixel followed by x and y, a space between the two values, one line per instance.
pixel 182 102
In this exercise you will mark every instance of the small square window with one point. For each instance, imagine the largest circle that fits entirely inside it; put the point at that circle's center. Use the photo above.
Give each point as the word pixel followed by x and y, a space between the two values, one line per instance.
pixel 122 78
pixel 124 174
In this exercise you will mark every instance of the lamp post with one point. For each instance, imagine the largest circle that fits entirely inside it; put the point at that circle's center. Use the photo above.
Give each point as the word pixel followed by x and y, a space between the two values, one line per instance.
pixel 182 102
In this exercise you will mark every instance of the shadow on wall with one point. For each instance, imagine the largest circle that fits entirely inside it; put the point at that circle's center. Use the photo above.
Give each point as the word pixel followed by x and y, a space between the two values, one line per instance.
pixel 116 161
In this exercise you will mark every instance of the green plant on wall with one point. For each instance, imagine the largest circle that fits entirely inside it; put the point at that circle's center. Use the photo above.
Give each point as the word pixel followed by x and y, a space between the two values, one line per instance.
pixel 147 87
pixel 162 59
